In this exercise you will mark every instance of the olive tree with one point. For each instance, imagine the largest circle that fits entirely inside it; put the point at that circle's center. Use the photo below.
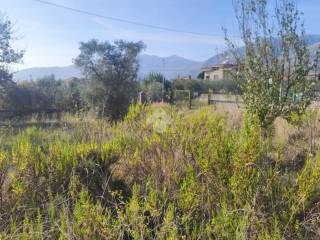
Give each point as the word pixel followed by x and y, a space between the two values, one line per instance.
pixel 156 87
pixel 8 56
pixel 111 70
pixel 273 68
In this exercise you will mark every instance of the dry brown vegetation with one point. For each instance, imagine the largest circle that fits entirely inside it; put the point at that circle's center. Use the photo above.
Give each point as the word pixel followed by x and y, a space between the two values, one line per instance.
pixel 162 173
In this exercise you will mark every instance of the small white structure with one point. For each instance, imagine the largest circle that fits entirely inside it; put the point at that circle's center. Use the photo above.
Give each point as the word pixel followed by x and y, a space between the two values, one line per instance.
pixel 222 71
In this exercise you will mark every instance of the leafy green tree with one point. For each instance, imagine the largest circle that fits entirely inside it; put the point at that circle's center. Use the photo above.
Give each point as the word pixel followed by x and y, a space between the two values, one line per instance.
pixel 27 97
pixel 194 85
pixel 74 101
pixel 48 94
pixel 156 87
pixel 204 86
pixel 273 71
pixel 51 88
pixel 112 72
pixel 8 56
pixel 225 86
pixel 61 95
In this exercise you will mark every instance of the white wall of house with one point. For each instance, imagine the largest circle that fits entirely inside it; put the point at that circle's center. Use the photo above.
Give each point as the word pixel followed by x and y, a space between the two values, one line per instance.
pixel 218 74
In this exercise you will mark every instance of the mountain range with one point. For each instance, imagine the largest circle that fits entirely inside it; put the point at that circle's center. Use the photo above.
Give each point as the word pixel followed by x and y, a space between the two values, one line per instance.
pixel 171 67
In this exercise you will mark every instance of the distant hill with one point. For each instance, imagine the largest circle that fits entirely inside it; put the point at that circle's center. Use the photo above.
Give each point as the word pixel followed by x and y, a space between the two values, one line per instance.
pixel 313 41
pixel 35 73
pixel 217 59
pixel 171 67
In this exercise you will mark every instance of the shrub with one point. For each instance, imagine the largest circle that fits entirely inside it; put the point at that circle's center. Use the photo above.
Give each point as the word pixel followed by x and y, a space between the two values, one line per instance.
pixel 196 178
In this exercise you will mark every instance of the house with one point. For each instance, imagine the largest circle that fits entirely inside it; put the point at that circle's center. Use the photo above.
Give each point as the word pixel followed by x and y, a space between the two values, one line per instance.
pixel 222 71
pixel 226 70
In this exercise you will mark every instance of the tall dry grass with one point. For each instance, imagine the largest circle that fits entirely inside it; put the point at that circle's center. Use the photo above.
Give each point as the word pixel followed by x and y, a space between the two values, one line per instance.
pixel 161 173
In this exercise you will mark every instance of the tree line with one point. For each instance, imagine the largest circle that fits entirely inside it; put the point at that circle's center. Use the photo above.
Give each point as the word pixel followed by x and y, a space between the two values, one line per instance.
pixel 272 72
pixel 110 83
pixel 109 86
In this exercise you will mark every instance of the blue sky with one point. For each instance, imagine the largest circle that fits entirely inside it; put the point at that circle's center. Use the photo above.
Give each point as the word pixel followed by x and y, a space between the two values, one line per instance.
pixel 51 35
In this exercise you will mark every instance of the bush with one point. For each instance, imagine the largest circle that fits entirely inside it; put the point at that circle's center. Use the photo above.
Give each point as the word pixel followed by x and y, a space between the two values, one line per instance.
pixel 203 86
pixel 156 87
pixel 159 174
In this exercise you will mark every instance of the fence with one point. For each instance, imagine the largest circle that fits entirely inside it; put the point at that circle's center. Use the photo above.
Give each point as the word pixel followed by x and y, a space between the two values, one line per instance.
pixel 215 99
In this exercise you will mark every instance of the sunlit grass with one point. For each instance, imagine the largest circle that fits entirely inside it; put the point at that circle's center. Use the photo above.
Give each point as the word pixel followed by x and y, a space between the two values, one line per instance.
pixel 161 173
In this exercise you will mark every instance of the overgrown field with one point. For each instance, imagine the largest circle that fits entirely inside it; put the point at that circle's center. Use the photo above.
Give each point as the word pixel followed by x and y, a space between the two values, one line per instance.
pixel 162 173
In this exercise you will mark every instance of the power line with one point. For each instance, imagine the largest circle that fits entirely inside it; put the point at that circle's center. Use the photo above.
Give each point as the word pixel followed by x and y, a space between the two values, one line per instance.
pixel 123 20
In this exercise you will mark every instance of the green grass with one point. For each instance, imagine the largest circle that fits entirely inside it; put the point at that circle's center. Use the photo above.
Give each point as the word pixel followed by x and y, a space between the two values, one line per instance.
pixel 161 173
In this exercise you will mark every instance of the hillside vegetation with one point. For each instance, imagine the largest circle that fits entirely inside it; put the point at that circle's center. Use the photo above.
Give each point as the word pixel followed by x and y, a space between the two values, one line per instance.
pixel 160 174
